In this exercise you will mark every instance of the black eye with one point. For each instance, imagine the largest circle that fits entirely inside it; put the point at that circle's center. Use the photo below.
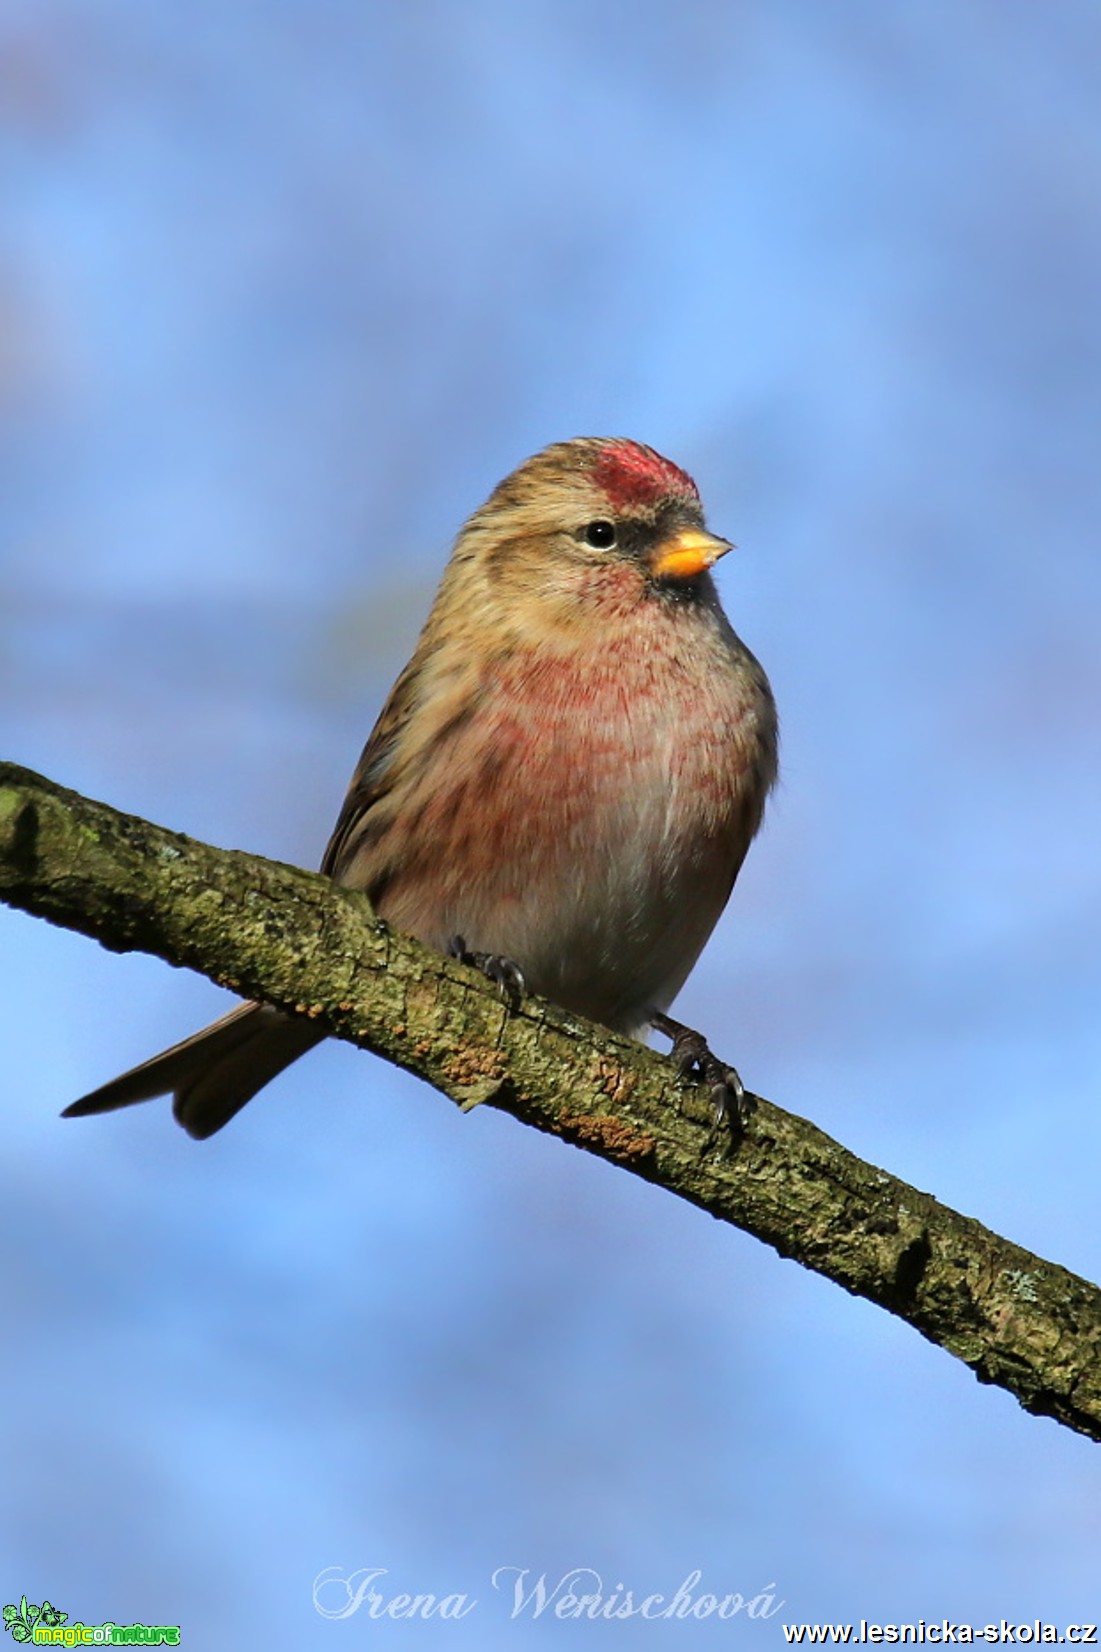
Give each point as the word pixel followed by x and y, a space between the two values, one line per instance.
pixel 600 535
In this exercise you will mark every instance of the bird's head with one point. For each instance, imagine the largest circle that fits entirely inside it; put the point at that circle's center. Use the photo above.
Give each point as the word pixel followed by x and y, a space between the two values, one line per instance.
pixel 595 521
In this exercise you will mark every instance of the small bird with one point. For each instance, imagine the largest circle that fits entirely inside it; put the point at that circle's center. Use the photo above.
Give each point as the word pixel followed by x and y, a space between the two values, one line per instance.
pixel 564 781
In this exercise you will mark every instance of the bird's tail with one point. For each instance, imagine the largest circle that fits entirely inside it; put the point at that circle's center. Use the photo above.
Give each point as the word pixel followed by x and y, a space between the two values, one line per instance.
pixel 214 1072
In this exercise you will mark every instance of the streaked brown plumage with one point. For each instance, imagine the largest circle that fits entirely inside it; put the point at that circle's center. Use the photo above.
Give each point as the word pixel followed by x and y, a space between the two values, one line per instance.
pixel 568 773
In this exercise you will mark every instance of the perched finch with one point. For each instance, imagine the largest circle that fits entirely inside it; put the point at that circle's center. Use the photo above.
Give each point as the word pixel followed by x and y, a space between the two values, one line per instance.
pixel 565 779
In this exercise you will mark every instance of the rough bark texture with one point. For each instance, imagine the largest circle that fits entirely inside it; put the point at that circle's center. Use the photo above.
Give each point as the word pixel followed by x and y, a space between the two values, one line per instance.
pixel 293 939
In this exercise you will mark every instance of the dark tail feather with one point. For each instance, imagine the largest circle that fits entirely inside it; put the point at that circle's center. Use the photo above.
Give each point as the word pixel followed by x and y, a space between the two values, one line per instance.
pixel 214 1072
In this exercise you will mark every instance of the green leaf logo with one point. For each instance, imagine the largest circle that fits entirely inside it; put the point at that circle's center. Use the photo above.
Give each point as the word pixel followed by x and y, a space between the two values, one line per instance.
pixel 20 1620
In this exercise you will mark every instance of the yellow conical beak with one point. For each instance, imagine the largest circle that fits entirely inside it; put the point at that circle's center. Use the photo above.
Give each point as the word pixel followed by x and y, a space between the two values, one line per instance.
pixel 687 553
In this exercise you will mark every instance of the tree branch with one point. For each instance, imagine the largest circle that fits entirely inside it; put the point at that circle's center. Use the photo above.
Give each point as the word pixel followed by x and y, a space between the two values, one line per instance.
pixel 295 940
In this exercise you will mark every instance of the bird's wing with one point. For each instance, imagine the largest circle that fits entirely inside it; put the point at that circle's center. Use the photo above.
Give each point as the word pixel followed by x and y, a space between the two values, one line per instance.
pixel 374 773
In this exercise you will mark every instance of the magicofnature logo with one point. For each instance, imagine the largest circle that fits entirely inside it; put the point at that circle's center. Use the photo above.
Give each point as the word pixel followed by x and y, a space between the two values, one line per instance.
pixel 45 1626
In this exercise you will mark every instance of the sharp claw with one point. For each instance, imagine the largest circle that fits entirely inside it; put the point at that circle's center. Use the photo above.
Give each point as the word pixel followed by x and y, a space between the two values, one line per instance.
pixel 686 1061
pixel 734 1106
pixel 508 977
pixel 720 1114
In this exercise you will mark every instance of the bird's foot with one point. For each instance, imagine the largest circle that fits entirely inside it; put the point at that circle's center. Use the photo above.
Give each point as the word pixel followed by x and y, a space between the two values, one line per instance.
pixel 506 976
pixel 733 1105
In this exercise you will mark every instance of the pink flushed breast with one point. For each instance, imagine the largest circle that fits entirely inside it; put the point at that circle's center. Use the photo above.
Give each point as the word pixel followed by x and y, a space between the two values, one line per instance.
pixel 593 822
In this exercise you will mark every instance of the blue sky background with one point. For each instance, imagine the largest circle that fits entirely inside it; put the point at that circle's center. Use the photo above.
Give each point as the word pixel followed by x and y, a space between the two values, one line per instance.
pixel 284 290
